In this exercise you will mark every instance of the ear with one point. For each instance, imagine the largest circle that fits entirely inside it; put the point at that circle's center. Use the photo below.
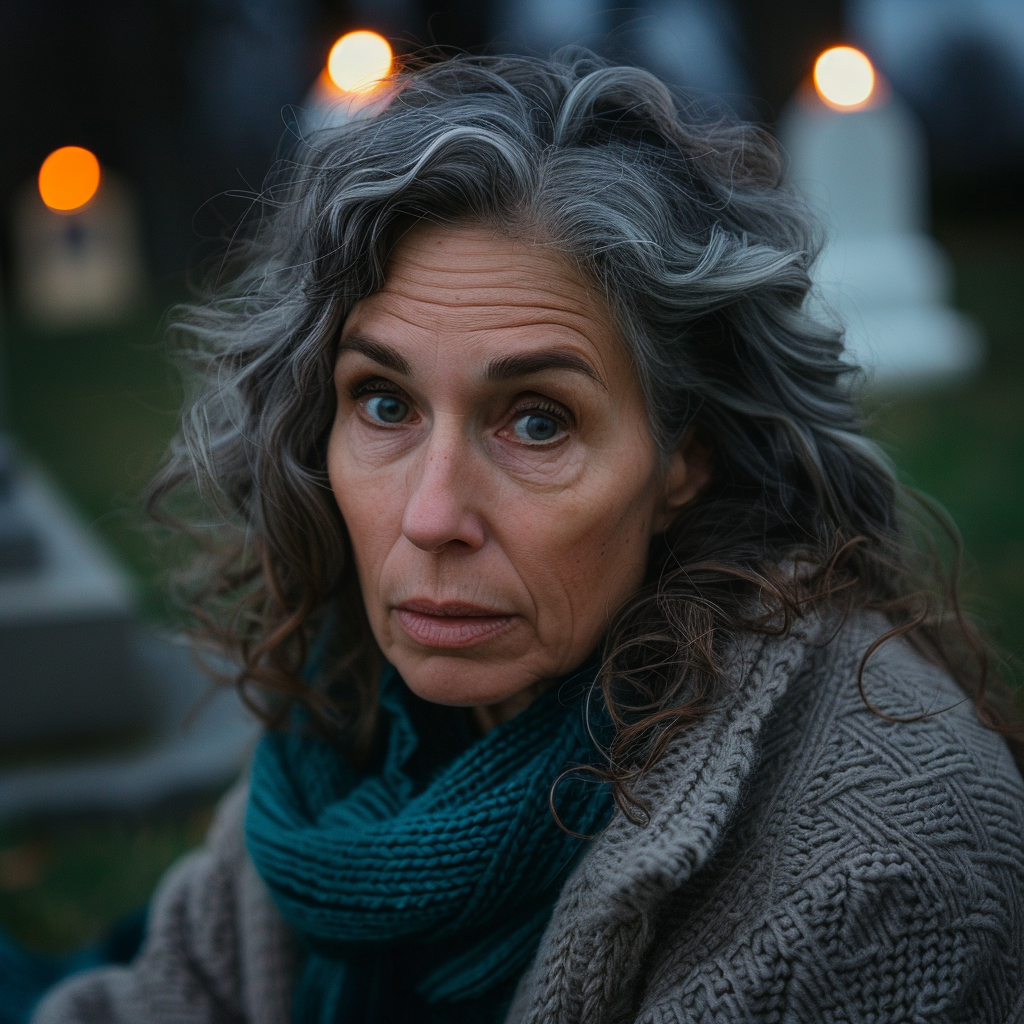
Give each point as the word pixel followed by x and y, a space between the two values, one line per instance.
pixel 688 473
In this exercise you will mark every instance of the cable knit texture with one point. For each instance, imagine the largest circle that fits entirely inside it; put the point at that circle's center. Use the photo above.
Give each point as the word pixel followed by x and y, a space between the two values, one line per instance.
pixel 806 860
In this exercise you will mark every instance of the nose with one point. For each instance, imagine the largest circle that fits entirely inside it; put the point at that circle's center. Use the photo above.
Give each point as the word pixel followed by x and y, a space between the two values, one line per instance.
pixel 440 507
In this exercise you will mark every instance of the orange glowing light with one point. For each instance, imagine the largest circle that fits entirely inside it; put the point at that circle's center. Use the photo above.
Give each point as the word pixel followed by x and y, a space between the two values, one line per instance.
pixel 359 61
pixel 69 178
pixel 844 77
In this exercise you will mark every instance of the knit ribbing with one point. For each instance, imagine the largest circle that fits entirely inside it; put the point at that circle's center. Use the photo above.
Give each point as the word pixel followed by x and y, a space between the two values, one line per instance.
pixel 452 868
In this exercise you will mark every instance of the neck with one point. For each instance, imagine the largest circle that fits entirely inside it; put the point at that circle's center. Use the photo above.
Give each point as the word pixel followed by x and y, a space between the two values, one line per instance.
pixel 487 716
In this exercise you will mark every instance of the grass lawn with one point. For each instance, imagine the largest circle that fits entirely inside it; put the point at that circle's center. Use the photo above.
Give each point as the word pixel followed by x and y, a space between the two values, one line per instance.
pixel 64 881
pixel 964 445
pixel 97 409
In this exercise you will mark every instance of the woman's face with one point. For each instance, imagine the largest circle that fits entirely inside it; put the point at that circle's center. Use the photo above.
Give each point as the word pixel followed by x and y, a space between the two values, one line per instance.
pixel 493 463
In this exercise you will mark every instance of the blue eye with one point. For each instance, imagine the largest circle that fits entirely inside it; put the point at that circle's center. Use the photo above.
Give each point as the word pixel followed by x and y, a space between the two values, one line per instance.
pixel 387 408
pixel 536 426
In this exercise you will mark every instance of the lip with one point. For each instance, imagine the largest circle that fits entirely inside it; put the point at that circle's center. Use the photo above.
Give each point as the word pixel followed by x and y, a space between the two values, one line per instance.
pixel 450 624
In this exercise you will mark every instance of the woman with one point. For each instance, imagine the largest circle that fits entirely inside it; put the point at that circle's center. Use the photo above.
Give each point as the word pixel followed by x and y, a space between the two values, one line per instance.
pixel 586 620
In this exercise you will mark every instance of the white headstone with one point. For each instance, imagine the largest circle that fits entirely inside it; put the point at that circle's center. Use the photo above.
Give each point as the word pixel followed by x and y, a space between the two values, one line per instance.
pixel 865 171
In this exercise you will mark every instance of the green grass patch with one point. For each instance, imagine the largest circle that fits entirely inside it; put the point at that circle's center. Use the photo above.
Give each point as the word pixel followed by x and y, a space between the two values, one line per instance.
pixel 63 882
pixel 964 445
pixel 96 409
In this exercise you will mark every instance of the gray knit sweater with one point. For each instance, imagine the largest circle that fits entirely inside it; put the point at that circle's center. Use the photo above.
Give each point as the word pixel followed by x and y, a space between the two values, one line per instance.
pixel 805 860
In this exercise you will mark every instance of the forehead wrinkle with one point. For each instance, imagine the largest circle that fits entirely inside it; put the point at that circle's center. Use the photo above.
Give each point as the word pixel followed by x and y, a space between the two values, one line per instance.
pixel 492 293
pixel 458 283
pixel 422 312
pixel 542 272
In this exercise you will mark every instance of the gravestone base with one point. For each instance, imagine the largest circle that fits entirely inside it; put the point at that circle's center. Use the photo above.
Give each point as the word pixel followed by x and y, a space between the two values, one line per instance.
pixel 97 712
pixel 66 620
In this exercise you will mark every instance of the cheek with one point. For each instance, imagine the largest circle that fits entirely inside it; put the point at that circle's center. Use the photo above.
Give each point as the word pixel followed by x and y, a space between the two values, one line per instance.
pixel 584 553
pixel 370 499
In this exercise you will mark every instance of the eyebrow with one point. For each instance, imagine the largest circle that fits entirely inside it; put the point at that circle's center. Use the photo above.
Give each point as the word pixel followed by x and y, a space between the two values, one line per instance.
pixel 510 367
pixel 383 354
pixel 504 368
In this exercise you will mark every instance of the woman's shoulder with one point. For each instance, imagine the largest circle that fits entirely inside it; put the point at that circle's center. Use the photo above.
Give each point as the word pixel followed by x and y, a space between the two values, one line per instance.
pixel 878 850
pixel 809 846
pixel 834 718
pixel 889 722
pixel 880 839
pixel 875 760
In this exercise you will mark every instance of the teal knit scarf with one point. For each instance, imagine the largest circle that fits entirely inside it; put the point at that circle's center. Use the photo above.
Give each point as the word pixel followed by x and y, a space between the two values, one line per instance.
pixel 420 890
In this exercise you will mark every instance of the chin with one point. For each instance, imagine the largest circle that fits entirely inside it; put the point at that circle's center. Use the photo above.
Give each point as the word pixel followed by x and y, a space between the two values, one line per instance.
pixel 460 680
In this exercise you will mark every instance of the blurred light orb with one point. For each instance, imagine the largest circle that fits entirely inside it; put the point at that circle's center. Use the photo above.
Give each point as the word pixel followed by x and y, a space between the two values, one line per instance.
pixel 359 61
pixel 844 77
pixel 69 178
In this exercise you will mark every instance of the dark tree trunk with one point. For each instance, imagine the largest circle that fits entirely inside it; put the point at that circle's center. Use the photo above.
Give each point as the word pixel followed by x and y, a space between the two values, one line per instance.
pixel 465 24
pixel 782 41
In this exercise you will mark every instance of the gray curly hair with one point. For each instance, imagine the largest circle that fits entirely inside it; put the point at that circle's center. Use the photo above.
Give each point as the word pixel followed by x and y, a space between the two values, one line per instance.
pixel 685 225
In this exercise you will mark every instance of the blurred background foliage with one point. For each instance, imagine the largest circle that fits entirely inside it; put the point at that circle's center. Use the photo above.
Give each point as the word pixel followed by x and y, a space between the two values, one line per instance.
pixel 64 881
pixel 964 445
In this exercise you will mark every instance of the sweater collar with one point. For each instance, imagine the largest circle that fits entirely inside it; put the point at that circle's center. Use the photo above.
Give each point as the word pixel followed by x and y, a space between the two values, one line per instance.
pixel 610 904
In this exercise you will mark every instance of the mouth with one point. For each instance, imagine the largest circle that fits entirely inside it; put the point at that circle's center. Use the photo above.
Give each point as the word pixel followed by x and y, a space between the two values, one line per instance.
pixel 450 624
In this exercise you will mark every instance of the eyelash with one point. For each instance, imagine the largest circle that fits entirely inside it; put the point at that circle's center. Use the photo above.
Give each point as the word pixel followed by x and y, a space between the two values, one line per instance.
pixel 380 385
pixel 556 412
pixel 373 386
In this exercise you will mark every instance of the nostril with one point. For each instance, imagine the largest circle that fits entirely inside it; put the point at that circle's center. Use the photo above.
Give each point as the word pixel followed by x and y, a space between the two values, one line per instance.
pixel 434 522
pixel 434 529
pixel 441 506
